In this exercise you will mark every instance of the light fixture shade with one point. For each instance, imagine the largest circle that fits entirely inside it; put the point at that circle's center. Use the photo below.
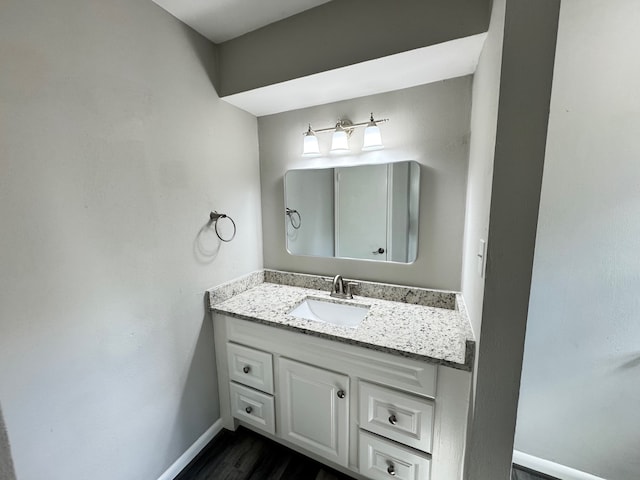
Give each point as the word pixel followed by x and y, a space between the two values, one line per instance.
pixel 372 137
pixel 340 140
pixel 310 146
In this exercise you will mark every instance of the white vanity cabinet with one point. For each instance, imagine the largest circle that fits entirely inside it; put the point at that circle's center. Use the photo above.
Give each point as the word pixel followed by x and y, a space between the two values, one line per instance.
pixel 370 414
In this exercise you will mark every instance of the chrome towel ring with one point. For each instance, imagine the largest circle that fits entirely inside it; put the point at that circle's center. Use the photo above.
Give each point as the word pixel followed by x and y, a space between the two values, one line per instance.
pixel 215 216
pixel 291 213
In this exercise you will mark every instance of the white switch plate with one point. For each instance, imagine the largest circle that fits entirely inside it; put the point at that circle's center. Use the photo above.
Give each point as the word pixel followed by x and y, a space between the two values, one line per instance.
pixel 482 257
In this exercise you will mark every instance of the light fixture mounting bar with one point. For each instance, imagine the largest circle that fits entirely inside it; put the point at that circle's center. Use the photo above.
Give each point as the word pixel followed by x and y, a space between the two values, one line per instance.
pixel 345 125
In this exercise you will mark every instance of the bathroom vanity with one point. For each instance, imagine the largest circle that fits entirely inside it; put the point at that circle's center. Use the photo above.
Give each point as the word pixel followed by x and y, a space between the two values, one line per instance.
pixel 388 397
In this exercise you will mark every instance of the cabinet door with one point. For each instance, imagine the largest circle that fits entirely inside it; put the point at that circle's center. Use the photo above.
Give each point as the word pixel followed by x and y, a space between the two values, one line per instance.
pixel 314 409
pixel 361 212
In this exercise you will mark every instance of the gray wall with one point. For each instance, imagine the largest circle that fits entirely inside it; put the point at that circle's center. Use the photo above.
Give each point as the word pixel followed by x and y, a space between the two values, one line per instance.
pixel 429 124
pixel 114 147
pixel 341 33
pixel 580 382
pixel 525 89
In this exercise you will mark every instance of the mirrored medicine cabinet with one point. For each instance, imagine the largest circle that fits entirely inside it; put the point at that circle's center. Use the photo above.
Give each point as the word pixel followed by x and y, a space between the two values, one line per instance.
pixel 367 212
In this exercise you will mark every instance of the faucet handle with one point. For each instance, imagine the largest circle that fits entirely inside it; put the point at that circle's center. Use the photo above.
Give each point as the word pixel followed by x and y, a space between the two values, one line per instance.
pixel 349 286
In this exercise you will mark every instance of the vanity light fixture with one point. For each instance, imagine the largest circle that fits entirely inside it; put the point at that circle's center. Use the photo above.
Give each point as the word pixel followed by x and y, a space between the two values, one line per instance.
pixel 311 147
pixel 341 133
pixel 372 137
pixel 340 139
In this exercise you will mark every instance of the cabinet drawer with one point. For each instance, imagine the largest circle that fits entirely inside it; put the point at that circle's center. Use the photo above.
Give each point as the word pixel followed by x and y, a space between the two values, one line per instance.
pixel 382 459
pixel 253 407
pixel 250 367
pixel 399 416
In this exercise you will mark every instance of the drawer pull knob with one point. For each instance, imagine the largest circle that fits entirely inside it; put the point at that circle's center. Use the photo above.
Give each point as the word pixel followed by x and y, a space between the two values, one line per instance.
pixel 248 409
pixel 246 369
pixel 341 394
pixel 391 470
pixel 393 420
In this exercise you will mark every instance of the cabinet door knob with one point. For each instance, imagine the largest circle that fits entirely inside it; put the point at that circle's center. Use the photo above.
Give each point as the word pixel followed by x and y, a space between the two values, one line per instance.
pixel 248 409
pixel 391 470
pixel 341 394
pixel 246 369
pixel 393 420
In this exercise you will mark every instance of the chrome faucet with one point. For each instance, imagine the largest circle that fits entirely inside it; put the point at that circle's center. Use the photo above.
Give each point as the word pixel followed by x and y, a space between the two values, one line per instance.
pixel 340 289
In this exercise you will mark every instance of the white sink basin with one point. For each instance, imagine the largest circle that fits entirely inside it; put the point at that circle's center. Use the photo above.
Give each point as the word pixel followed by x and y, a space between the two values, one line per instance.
pixel 340 314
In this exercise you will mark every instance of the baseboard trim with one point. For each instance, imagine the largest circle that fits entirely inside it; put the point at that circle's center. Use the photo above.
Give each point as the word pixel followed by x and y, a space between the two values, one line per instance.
pixel 184 459
pixel 550 468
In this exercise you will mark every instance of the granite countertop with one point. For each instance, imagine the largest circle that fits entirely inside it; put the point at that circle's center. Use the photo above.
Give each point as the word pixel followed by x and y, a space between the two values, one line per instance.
pixel 419 323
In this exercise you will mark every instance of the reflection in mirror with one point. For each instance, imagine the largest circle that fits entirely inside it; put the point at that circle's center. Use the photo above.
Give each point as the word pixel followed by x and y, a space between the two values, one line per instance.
pixel 365 212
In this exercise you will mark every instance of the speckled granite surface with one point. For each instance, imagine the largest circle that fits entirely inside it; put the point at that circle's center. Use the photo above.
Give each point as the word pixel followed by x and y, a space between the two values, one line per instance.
pixel 430 333
pixel 234 287
pixel 383 291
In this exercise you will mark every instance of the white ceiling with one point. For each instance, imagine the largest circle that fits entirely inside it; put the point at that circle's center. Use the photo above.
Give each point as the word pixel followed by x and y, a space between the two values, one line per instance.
pixel 222 20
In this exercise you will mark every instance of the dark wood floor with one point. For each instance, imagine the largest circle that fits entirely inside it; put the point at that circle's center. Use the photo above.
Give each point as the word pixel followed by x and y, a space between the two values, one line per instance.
pixel 244 455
